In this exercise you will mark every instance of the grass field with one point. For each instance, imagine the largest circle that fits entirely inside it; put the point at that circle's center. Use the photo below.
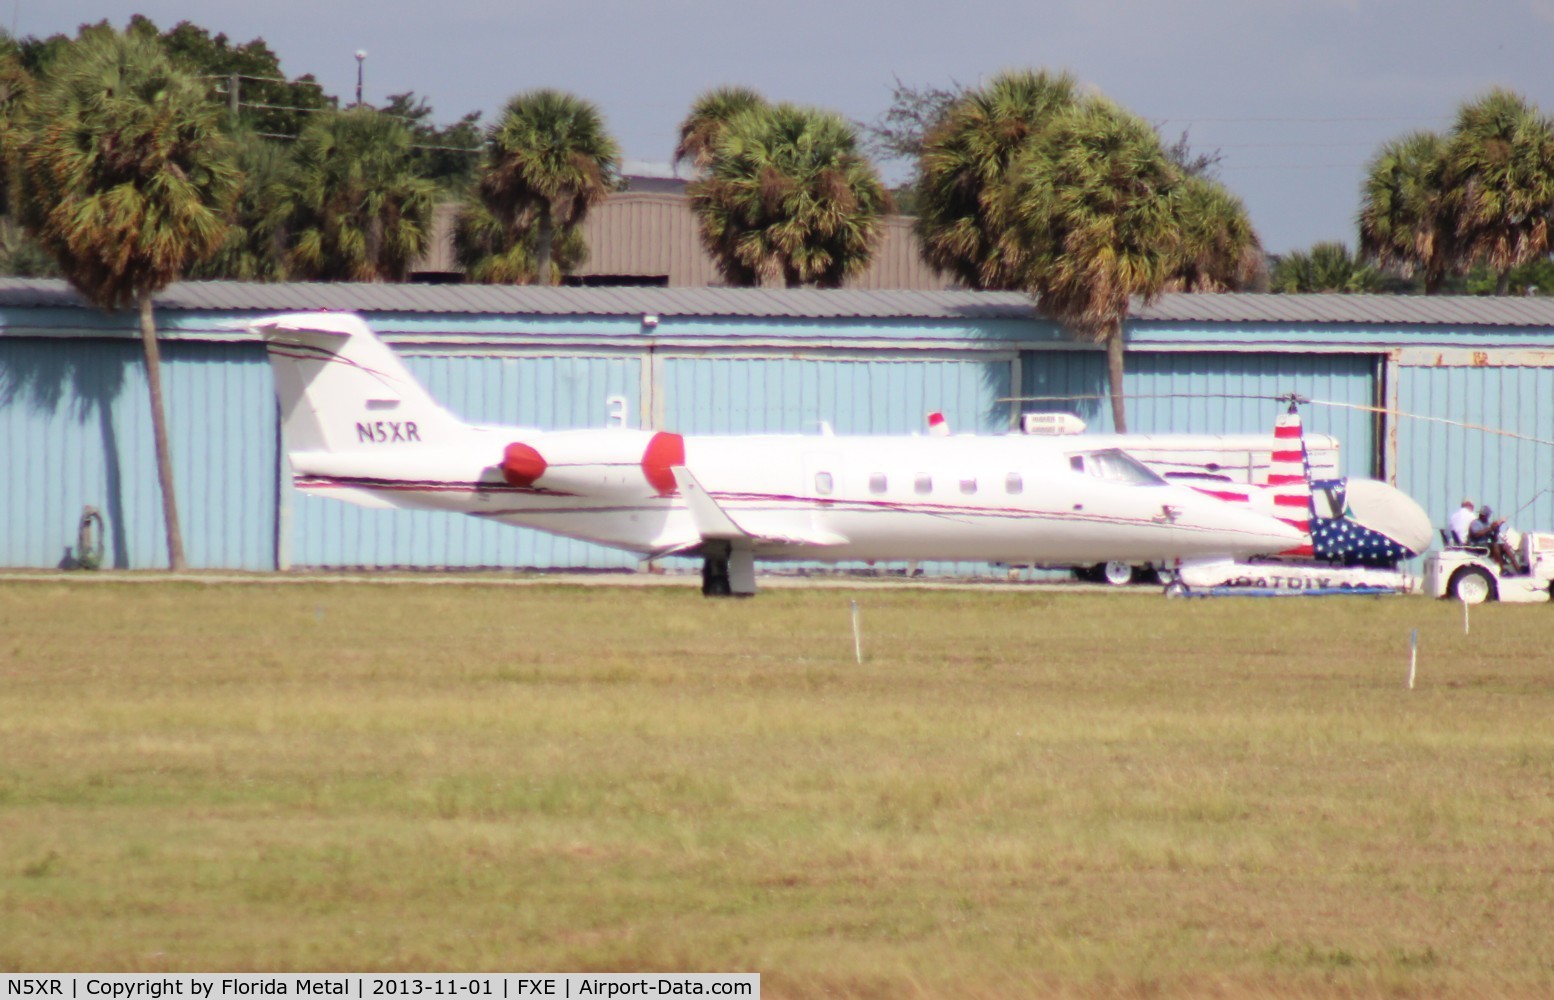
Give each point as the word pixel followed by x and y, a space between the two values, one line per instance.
pixel 1019 792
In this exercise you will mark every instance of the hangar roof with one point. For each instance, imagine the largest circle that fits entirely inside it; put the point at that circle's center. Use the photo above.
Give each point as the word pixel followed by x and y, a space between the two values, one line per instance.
pixel 761 303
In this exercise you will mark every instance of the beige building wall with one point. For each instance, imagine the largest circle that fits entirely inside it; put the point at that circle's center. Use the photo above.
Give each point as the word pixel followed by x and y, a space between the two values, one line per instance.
pixel 650 234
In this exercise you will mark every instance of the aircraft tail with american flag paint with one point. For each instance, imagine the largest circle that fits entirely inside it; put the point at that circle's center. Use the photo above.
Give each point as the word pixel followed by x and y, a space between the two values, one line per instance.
pixel 1357 532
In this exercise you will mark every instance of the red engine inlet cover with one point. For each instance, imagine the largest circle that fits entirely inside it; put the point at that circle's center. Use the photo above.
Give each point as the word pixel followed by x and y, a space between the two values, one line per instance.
pixel 522 465
pixel 664 451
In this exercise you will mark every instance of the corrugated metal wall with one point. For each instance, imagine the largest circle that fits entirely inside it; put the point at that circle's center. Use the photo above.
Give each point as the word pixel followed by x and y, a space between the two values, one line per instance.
pixel 792 394
pixel 552 392
pixel 656 233
pixel 1213 392
pixel 1441 461
pixel 647 233
pixel 75 419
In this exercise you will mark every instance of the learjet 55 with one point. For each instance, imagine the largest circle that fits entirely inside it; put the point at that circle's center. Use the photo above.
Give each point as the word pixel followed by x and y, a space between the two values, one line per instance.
pixel 359 427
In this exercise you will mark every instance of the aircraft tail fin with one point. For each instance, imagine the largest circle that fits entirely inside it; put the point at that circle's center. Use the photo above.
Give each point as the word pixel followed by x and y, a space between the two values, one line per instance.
pixel 1289 478
pixel 342 389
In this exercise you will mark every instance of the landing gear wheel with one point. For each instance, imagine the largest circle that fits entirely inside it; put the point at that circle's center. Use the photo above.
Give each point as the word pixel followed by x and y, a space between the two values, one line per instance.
pixel 1472 585
pixel 1117 573
pixel 1090 574
pixel 714 577
pixel 1175 589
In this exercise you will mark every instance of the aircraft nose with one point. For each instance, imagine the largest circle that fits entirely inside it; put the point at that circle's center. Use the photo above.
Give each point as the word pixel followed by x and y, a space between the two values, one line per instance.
pixel 1227 529
pixel 1260 535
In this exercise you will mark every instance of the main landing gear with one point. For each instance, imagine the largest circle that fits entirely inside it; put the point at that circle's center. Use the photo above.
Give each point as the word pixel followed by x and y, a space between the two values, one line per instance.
pixel 727 570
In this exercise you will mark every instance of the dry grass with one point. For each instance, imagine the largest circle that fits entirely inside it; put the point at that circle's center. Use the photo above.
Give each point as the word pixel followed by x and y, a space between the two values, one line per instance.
pixel 1018 792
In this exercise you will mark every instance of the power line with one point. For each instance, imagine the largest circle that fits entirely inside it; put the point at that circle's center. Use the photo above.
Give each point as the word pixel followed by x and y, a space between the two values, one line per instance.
pixel 1309 121
pixel 299 82
pixel 413 145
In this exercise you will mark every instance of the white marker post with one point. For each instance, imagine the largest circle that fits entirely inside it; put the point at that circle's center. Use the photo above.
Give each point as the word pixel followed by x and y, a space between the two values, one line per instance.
pixel 1413 656
pixel 1464 617
pixel 857 637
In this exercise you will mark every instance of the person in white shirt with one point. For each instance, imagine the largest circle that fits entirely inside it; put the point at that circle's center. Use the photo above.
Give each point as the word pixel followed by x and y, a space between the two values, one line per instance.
pixel 1457 524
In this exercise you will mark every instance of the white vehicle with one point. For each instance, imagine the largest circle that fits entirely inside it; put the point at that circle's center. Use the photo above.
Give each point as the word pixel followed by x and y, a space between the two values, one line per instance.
pixel 1467 572
pixel 359 427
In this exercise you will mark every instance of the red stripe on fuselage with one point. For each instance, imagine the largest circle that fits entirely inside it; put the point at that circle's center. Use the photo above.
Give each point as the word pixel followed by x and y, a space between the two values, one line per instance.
pixel 1225 495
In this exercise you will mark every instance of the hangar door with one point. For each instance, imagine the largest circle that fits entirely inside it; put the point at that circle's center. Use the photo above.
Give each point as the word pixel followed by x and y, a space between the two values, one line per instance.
pixel 1215 392
pixel 1478 431
pixel 875 392
pixel 543 391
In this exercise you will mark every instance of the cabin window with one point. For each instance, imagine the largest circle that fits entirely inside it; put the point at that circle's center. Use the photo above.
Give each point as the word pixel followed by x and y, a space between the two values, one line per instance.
pixel 823 483
pixel 968 486
pixel 1076 462
pixel 1014 484
pixel 878 483
pixel 923 484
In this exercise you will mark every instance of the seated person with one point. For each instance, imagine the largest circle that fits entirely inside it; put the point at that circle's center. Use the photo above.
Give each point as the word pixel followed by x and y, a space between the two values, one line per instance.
pixel 1457 525
pixel 1486 531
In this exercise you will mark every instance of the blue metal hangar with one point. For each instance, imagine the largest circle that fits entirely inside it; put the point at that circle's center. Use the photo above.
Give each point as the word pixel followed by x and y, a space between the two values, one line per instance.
pixel 1445 397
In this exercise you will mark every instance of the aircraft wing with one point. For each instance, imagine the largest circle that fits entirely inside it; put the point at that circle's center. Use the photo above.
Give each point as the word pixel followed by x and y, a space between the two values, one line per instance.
pixel 714 523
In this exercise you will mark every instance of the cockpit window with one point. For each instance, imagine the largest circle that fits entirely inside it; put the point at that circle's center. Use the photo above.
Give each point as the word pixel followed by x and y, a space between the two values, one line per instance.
pixel 1115 465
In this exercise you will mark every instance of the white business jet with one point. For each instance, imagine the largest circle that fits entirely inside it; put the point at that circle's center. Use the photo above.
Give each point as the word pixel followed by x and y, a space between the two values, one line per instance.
pixel 360 428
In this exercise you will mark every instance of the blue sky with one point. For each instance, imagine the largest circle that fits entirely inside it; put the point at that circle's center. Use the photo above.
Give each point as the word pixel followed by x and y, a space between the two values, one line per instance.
pixel 1296 95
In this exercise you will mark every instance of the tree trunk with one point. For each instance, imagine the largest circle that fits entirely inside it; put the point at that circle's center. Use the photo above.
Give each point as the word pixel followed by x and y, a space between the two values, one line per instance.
pixel 1503 282
pixel 164 455
pixel 542 245
pixel 1114 348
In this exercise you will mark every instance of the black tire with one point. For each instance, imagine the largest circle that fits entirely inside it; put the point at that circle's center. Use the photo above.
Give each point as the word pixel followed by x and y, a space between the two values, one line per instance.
pixel 714 578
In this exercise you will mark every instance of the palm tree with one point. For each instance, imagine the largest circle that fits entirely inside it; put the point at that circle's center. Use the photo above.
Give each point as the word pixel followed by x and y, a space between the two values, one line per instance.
pixel 491 255
pixel 1326 267
pixel 708 119
pixel 1499 172
pixel 361 212
pixel 1405 218
pixel 19 252
pixel 1095 207
pixel 255 248
pixel 788 197
pixel 123 176
pixel 1220 249
pixel 15 84
pixel 548 158
pixel 964 172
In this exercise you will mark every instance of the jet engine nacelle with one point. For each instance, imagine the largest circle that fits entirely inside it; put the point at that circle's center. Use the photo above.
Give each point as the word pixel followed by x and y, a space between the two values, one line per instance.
pixel 614 462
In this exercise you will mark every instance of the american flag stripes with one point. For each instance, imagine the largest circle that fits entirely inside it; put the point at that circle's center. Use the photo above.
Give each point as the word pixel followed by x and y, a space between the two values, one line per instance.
pixel 1289 479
